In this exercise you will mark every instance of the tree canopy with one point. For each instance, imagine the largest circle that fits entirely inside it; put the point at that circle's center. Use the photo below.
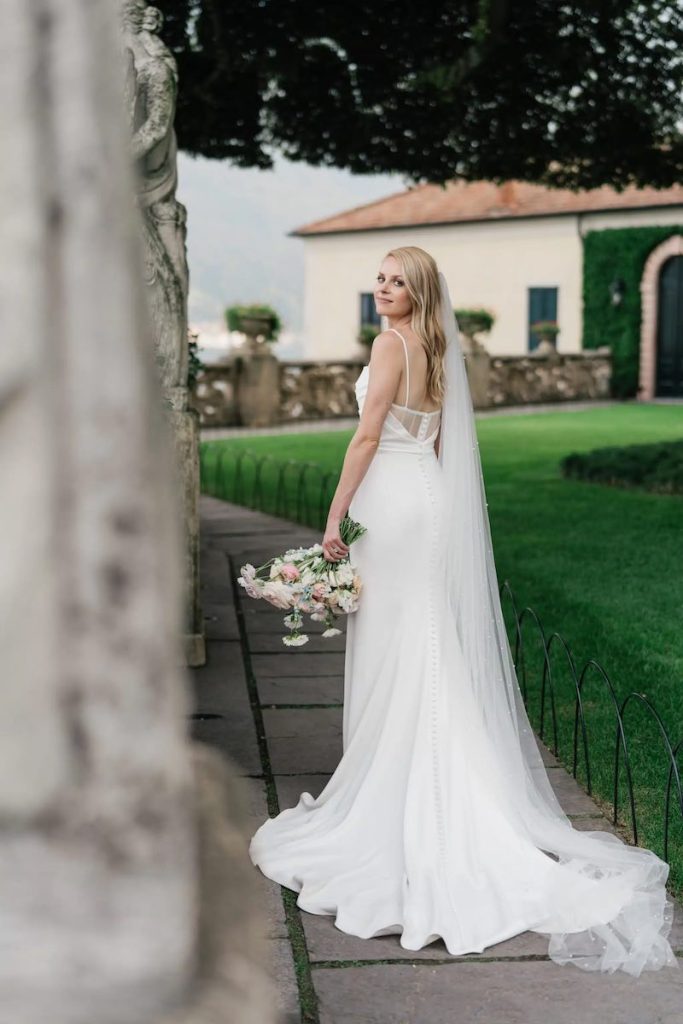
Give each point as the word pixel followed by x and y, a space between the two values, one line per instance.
pixel 575 94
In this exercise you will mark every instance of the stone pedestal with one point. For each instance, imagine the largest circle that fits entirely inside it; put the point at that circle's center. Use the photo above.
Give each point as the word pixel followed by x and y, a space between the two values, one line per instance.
pixel 478 365
pixel 258 387
pixel 185 431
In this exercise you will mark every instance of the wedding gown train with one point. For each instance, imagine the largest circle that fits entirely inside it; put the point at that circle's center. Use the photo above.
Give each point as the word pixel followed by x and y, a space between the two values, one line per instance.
pixel 415 832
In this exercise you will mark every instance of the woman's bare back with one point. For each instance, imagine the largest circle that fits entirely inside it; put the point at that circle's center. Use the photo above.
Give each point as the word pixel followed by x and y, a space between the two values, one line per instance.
pixel 415 375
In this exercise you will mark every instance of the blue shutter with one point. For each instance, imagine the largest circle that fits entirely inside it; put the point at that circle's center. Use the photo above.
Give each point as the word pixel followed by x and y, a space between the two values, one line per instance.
pixel 542 306
pixel 368 311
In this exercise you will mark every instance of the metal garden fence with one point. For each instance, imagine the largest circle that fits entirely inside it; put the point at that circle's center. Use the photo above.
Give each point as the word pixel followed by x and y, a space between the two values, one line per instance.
pixel 301 492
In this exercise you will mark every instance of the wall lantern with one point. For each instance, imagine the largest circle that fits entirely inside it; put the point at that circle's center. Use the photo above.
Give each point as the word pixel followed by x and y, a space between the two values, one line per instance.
pixel 617 289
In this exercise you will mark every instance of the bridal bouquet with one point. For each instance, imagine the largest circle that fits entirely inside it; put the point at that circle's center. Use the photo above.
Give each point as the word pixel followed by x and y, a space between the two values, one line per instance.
pixel 302 581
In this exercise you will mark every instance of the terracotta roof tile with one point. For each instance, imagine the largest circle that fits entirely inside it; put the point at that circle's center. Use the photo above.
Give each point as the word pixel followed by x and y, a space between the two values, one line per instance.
pixel 483 200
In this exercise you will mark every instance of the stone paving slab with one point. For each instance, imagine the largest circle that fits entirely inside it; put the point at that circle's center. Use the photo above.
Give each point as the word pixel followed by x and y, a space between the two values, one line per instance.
pixel 328 943
pixel 253 550
pixel 301 690
pixel 595 823
pixel 271 897
pixel 220 516
pixel 289 787
pixel 258 622
pixel 226 733
pixel 214 570
pixel 220 622
pixel 304 740
pixel 220 689
pixel 548 758
pixel 294 662
pixel 496 993
pixel 281 962
pixel 271 643
pixel 573 798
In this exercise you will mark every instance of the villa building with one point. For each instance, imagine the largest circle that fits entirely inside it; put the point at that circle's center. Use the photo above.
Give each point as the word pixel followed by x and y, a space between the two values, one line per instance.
pixel 606 265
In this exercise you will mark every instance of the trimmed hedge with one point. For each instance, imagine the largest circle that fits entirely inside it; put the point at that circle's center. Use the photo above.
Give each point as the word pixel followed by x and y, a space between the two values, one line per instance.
pixel 610 254
pixel 648 467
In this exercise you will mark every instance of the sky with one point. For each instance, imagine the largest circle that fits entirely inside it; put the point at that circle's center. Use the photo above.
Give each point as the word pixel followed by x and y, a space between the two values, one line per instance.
pixel 237 224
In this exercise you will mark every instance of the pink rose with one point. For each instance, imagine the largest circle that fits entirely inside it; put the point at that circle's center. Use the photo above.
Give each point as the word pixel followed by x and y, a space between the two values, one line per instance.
pixel 289 572
pixel 318 591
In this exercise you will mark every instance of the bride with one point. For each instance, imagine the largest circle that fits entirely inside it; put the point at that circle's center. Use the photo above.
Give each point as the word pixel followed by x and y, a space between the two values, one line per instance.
pixel 440 820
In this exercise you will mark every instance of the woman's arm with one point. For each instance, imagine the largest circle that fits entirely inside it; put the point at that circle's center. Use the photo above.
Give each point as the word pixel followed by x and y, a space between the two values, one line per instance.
pixel 386 363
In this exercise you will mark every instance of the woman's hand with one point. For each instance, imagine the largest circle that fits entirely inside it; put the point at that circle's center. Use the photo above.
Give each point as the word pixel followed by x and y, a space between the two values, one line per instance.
pixel 334 548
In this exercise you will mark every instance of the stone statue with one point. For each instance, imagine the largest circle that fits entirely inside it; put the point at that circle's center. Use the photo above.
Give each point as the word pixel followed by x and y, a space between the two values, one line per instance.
pixel 151 90
pixel 151 85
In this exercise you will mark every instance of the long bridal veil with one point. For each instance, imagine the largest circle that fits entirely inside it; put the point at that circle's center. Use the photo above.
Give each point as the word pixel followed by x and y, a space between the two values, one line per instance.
pixel 625 926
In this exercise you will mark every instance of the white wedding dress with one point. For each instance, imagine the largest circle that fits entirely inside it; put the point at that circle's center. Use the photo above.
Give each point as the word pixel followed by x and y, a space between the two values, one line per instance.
pixel 415 832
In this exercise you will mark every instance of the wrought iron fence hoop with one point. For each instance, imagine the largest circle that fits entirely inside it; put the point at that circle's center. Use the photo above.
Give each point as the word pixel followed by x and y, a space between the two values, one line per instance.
pixel 641 699
pixel 621 735
pixel 303 496
pixel 530 612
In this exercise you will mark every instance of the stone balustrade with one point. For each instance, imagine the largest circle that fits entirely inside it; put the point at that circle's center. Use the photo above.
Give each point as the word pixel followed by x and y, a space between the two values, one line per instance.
pixel 551 377
pixel 317 389
pixel 214 396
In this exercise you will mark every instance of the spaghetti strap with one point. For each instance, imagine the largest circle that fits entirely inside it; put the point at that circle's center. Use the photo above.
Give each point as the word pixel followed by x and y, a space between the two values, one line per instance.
pixel 405 349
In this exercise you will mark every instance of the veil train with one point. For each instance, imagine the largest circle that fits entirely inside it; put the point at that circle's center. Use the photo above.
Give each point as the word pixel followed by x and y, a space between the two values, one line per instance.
pixel 630 880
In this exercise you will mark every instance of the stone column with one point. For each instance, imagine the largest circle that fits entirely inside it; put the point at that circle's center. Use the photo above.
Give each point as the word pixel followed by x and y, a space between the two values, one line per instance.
pixel 151 90
pixel 100 862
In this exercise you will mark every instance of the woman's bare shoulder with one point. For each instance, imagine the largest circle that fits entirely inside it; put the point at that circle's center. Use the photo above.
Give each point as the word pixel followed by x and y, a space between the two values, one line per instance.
pixel 385 344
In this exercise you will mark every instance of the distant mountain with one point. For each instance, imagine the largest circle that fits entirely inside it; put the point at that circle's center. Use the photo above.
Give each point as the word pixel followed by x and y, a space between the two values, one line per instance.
pixel 237 224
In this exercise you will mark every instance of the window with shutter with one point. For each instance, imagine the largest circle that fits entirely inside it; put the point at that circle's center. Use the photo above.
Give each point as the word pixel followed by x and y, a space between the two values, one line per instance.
pixel 542 306
pixel 368 311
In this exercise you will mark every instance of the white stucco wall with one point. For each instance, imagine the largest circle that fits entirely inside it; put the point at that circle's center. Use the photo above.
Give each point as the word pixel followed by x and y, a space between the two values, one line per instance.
pixel 490 264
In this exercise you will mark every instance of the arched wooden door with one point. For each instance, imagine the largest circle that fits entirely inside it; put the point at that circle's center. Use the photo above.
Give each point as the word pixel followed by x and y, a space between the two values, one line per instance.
pixel 670 329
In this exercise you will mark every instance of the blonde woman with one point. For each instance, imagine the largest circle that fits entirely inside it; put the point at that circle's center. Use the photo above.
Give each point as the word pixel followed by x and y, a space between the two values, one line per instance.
pixel 439 822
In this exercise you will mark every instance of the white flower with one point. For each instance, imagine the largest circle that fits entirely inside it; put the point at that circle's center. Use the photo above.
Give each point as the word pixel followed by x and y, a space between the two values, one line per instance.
pixel 344 573
pixel 295 641
pixel 347 601
pixel 332 632
pixel 275 568
pixel 278 593
pixel 251 587
pixel 295 619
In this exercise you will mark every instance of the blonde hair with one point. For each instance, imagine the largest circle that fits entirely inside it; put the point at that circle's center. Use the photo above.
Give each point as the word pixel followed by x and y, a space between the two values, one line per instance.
pixel 421 276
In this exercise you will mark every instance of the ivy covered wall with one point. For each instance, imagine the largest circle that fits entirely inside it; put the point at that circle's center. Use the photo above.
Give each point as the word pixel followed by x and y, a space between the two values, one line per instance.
pixel 607 255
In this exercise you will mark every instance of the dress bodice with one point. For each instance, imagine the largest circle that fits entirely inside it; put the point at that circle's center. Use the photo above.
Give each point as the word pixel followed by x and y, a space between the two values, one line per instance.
pixel 405 430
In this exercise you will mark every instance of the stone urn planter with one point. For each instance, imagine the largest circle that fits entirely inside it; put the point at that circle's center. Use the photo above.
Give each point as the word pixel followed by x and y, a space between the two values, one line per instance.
pixel 257 384
pixel 257 329
pixel 546 331
pixel 365 338
pixel 472 322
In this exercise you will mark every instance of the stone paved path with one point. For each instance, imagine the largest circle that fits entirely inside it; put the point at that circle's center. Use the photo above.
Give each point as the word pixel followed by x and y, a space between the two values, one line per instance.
pixel 277 712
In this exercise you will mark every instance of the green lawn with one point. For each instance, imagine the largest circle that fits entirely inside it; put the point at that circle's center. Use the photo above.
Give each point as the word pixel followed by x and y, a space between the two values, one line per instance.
pixel 602 566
